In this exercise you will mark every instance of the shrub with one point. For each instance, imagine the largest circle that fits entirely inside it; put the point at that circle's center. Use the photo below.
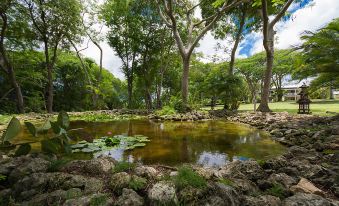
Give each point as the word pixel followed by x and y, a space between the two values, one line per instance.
pixel 123 167
pixel 166 110
pixel 56 165
pixel 187 177
pixel 276 190
pixel 137 183
pixel 98 200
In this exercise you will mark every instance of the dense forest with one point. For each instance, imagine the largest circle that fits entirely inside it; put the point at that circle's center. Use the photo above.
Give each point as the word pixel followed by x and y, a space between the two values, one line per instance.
pixel 42 68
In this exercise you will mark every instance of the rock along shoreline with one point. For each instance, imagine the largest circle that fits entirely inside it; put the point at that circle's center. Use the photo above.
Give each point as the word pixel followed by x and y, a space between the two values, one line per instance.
pixel 307 174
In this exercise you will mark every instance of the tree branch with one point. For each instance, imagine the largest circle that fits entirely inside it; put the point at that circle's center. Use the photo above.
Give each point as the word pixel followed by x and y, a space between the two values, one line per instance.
pixel 281 13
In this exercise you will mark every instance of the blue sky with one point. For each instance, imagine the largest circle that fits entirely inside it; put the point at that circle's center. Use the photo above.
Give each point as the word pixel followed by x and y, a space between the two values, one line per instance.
pixel 305 17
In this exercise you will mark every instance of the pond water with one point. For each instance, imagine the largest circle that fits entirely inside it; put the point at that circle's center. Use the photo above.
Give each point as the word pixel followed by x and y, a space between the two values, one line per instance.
pixel 209 143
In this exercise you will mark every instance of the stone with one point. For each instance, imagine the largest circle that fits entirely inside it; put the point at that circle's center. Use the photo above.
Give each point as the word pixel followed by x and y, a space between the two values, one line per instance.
pixel 307 187
pixel 242 170
pixel 229 195
pixel 119 181
pixel 263 200
pixel 207 173
pixel 49 182
pixel 173 173
pixel 95 167
pixel 93 199
pixel 245 186
pixel 163 192
pixel 56 197
pixel 146 171
pixel 129 198
pixel 283 179
pixel 307 200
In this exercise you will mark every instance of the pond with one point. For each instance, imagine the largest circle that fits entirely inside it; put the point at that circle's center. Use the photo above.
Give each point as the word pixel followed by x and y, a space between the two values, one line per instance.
pixel 208 143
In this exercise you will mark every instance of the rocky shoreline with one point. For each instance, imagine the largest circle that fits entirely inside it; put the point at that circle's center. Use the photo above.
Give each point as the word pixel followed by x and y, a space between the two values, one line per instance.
pixel 307 174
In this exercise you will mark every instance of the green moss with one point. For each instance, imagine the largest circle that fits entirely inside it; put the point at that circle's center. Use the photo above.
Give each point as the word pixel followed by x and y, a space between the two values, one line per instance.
pixel 98 200
pixel 330 151
pixel 187 177
pixel 261 162
pixel 226 181
pixel 2 177
pixel 123 167
pixel 276 190
pixel 137 183
pixel 56 165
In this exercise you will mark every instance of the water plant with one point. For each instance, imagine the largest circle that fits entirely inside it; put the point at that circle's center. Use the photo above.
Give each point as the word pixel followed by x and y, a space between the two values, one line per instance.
pixel 55 142
pixel 187 177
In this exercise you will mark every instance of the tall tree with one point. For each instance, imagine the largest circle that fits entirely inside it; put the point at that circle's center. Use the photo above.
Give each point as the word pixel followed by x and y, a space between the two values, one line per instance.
pixel 187 30
pixel 54 22
pixel 279 9
pixel 123 37
pixel 319 56
pixel 14 26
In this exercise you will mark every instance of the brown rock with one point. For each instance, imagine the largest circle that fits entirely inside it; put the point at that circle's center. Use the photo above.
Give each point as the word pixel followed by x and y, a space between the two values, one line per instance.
pixel 306 186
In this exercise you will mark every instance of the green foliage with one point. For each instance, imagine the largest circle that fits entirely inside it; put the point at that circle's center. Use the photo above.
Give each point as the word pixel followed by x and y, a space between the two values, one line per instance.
pixel 98 200
pixel 112 141
pixel 137 183
pixel 23 149
pixel 225 181
pixel 2 177
pixel 166 110
pixel 330 151
pixel 187 177
pixel 276 190
pixel 261 162
pixel 320 56
pixel 56 165
pixel 12 130
pixel 123 167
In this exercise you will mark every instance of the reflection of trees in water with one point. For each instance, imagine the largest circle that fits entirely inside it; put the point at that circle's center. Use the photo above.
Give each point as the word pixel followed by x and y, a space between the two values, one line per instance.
pixel 210 142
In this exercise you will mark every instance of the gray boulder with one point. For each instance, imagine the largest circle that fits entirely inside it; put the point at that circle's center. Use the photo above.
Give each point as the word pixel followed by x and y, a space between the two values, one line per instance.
pixel 303 199
pixel 129 198
pixel 162 192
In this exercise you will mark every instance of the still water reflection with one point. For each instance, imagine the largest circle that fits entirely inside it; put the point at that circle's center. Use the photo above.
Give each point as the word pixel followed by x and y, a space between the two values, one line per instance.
pixel 210 143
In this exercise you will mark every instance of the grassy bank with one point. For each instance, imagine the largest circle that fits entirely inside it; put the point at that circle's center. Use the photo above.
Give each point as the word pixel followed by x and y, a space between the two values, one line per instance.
pixel 318 107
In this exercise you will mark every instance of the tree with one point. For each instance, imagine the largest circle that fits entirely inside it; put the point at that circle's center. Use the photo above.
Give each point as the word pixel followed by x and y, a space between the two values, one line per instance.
pixel 280 9
pixel 188 30
pixel 252 68
pixel 237 23
pixel 319 56
pixel 14 27
pixel 54 22
pixel 283 65
pixel 123 37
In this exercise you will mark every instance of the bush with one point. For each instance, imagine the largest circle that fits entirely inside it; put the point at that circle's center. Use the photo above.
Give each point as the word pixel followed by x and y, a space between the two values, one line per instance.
pixel 123 167
pixel 187 177
pixel 276 190
pixel 166 110
pixel 226 181
pixel 137 183
pixel 56 165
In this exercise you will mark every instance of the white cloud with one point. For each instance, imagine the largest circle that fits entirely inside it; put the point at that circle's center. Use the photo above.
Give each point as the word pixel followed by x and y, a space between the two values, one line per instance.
pixel 309 18
pixel 288 33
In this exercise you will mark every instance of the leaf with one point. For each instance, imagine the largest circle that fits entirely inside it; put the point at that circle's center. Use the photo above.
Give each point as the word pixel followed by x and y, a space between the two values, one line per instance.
pixel 13 129
pixel 31 128
pixel 56 128
pixel 51 146
pixel 23 149
pixel 63 120
pixel 45 127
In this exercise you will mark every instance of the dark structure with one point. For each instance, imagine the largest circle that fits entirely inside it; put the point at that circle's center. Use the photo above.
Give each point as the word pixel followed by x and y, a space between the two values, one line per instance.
pixel 304 101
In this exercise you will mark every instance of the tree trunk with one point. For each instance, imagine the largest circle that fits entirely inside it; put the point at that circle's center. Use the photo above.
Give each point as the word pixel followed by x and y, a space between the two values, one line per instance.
pixel 159 87
pixel 129 90
pixel 236 43
pixel 184 83
pixel 265 95
pixel 148 99
pixel 50 90
pixel 17 88
pixel 254 101
pixel 331 92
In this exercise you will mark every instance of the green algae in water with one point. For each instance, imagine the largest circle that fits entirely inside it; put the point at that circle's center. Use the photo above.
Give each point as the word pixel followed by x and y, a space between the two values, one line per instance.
pixel 108 143
pixel 209 143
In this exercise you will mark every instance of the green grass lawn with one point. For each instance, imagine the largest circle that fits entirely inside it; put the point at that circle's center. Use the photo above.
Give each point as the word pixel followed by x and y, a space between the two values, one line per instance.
pixel 318 107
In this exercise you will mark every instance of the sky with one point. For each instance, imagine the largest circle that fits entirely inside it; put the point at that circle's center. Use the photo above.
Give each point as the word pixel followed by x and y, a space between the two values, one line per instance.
pixel 310 17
